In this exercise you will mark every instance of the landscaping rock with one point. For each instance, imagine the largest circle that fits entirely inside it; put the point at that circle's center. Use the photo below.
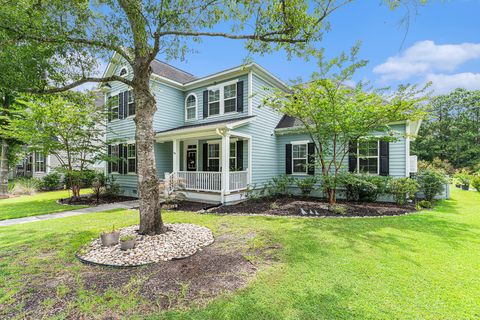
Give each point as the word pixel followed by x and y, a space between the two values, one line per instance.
pixel 180 241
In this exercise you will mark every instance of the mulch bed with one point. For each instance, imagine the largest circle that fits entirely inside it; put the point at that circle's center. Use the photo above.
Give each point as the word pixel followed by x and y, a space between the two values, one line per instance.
pixel 219 268
pixel 189 206
pixel 288 206
pixel 90 200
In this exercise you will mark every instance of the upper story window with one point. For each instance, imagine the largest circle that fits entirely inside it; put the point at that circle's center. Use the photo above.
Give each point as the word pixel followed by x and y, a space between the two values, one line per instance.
pixel 230 98
pixel 368 155
pixel 223 98
pixel 123 72
pixel 299 158
pixel 113 107
pixel 213 102
pixel 40 165
pixel 131 104
pixel 191 107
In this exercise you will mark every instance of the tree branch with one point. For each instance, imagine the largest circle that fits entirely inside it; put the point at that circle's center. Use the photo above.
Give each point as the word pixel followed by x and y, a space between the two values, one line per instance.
pixel 263 37
pixel 82 81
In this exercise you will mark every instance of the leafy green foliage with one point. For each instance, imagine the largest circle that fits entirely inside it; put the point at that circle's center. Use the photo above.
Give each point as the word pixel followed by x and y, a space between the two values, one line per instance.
pixel 333 113
pixel 26 186
pixel 306 185
pixel 424 204
pixel 363 187
pixel 403 189
pixel 464 177
pixel 50 182
pixel 431 182
pixel 452 132
pixel 476 182
pixel 339 209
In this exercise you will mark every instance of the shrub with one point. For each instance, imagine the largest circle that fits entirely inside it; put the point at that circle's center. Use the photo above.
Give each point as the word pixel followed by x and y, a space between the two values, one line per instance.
pixel 424 204
pixel 80 178
pixel 280 185
pixel 363 187
pixel 112 188
pixel 99 185
pixel 339 209
pixel 127 238
pixel 274 205
pixel 403 189
pixel 50 182
pixel 431 183
pixel 306 185
pixel 463 177
pixel 26 186
pixel 476 183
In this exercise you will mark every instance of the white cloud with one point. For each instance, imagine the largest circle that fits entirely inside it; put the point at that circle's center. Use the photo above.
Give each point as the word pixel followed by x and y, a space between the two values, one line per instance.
pixel 444 83
pixel 426 57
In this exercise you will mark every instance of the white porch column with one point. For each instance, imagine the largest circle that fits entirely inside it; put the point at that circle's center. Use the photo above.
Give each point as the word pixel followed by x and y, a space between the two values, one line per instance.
pixel 226 163
pixel 176 155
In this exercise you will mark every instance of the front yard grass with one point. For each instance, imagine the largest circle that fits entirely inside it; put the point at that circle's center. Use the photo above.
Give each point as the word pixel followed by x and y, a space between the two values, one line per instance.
pixel 37 204
pixel 419 266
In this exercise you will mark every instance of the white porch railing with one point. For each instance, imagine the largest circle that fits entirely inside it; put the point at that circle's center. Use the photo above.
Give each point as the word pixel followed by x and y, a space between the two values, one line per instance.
pixel 238 180
pixel 201 180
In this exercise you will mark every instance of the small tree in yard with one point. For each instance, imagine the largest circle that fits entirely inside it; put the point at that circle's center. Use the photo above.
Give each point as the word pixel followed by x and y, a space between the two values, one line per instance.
pixel 335 114
pixel 69 126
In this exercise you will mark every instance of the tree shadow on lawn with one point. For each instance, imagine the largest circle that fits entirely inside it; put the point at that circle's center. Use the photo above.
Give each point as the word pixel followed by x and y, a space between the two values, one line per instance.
pixel 56 284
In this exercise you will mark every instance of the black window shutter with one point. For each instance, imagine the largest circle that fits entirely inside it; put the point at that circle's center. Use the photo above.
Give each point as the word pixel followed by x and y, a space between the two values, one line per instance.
pixel 125 156
pixel 120 105
pixel 352 156
pixel 125 104
pixel 109 108
pixel 205 104
pixel 240 155
pixel 288 158
pixel 240 96
pixel 120 159
pixel 311 158
pixel 384 158
pixel 205 156
pixel 109 164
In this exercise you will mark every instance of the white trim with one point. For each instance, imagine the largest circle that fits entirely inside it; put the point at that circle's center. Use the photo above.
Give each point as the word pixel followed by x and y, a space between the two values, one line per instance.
pixel 300 143
pixel 369 157
pixel 250 157
pixel 218 85
pixel 123 68
pixel 219 144
pixel 407 149
pixel 186 143
pixel 221 98
pixel 196 107
pixel 250 92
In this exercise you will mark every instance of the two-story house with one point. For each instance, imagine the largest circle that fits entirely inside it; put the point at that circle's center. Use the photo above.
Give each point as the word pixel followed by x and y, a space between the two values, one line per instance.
pixel 211 133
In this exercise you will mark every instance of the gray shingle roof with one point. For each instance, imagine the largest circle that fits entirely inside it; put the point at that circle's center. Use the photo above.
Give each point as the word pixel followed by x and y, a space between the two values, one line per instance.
pixel 288 122
pixel 167 71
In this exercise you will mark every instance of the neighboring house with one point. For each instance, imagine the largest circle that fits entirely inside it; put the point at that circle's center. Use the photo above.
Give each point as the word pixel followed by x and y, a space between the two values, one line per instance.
pixel 212 134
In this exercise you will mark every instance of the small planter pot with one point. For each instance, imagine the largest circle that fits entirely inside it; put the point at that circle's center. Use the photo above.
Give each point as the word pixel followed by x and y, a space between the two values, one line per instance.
pixel 127 245
pixel 110 239
pixel 465 187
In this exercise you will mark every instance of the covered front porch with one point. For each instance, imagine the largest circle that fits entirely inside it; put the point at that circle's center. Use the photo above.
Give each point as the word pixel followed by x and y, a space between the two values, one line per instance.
pixel 210 162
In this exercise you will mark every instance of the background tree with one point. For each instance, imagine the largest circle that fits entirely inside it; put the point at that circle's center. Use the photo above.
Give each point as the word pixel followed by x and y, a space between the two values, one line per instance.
pixel 452 132
pixel 335 114
pixel 69 126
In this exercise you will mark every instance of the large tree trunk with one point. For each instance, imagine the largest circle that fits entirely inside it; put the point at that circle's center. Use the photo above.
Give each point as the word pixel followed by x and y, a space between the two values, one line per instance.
pixel 148 183
pixel 3 168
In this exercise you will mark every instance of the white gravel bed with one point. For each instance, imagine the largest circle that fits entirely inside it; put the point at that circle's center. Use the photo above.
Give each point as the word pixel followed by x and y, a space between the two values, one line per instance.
pixel 180 241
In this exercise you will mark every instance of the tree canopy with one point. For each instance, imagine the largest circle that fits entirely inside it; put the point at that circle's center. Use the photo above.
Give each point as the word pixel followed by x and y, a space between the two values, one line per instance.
pixel 452 131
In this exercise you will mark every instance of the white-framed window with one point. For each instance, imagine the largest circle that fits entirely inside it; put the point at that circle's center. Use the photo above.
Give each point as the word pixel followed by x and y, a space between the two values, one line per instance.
pixel 222 98
pixel 113 107
pixel 191 107
pixel 214 157
pixel 368 160
pixel 131 158
pixel 115 157
pixel 233 156
pixel 40 165
pixel 299 158
pixel 130 103
pixel 213 102
pixel 230 98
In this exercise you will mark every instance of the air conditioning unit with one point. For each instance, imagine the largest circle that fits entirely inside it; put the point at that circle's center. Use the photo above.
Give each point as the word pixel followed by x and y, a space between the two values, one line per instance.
pixel 413 164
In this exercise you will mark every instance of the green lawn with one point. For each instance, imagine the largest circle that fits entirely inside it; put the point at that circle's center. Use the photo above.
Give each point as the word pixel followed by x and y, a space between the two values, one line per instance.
pixel 33 205
pixel 419 266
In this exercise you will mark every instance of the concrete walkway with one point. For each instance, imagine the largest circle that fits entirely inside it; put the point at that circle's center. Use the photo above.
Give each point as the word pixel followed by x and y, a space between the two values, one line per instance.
pixel 104 207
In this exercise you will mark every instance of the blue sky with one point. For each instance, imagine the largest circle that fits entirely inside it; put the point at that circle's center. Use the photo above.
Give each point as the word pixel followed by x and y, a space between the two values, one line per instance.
pixel 442 44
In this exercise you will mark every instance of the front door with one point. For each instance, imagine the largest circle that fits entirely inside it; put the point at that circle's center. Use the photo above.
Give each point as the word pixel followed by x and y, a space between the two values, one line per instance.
pixel 192 159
